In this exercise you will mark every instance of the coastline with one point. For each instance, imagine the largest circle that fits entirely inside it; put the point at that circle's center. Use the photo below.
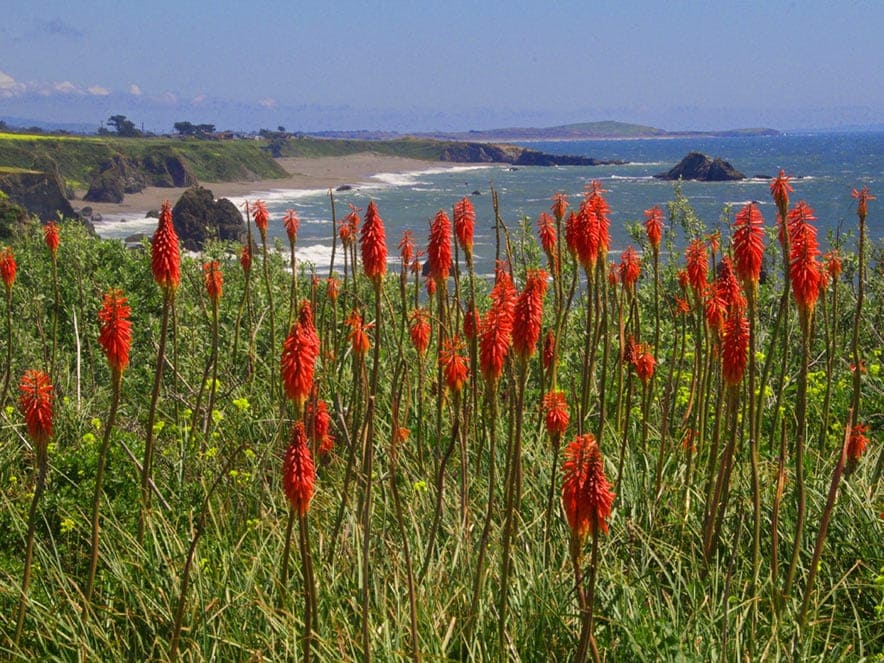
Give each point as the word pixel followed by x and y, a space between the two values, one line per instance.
pixel 304 173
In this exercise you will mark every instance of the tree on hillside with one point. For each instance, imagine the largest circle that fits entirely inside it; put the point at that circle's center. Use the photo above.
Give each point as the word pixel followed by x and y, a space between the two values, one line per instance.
pixel 125 128
pixel 190 129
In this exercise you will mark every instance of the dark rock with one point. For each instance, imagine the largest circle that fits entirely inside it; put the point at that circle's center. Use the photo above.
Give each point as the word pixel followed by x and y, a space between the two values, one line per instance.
pixel 476 193
pixel 197 217
pixel 698 166
pixel 344 187
pixel 86 211
pixel 152 214
pixel 121 175
pixel 39 193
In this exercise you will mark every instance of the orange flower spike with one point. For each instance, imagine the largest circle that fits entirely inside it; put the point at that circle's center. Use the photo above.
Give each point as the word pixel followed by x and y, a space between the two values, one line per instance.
pixel 748 244
pixel 51 237
pixel 857 442
pixel 560 205
pixel 654 226
pixel 549 346
pixel 557 416
pixel 630 268
pixel 213 280
pixel 601 210
pixel 572 231
pixel 804 270
pixel 643 362
pixel 291 222
pixel 35 401
pixel 7 267
pixel 735 348
pixel 729 291
pixel 165 258
pixel 373 244
pixel 528 314
pixel 299 353
pixel 407 248
pixel 420 330
pixel 358 338
pixel 862 200
pixel 439 249
pixel 298 471
pixel 546 230
pixel 332 289
pixel 832 261
pixel 464 224
pixel 455 367
pixel 697 266
pixel 245 259
pixel 495 333
pixel 586 493
pixel 261 217
pixel 115 330
pixel 780 190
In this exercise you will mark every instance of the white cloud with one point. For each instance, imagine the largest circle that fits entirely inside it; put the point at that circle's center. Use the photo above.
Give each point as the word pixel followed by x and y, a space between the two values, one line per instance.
pixel 167 98
pixel 197 100
pixel 98 90
pixel 267 102
pixel 9 87
pixel 134 90
pixel 66 87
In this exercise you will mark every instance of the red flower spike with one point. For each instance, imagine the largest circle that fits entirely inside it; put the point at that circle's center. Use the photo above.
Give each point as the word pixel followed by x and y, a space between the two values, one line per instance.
pixel 420 330
pixel 407 248
pixel 332 288
pixel 455 367
pixel 857 442
pixel 601 210
pixel 439 249
pixel 358 338
pixel 7 267
pixel 464 224
pixel 213 280
pixel 349 227
pixel 115 329
pixel 804 270
pixel 572 231
pixel 373 244
pixel 321 426
pixel 549 346
pixel 643 362
pixel 245 259
pixel 654 226
pixel 35 402
pixel 586 493
pixel 51 237
pixel 495 333
pixel 560 205
pixel 862 200
pixel 291 222
pixel 299 353
pixel 546 230
pixel 697 265
pixel 528 314
pixel 298 471
pixel 727 287
pixel 780 190
pixel 557 417
pixel 748 243
pixel 735 348
pixel 261 217
pixel 630 268
pixel 832 262
pixel 165 259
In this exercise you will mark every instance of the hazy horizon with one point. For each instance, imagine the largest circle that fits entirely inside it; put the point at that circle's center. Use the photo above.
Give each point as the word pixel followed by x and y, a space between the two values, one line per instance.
pixel 453 67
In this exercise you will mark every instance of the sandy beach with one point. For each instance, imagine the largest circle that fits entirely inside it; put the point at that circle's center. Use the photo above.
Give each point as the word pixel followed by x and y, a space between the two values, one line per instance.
pixel 304 173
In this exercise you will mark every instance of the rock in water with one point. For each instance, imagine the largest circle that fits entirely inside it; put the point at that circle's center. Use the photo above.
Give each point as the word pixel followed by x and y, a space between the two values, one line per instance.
pixel 698 166
pixel 198 217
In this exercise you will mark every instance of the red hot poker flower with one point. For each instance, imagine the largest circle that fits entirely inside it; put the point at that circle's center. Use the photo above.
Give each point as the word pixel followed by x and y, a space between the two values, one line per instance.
pixel 560 205
pixel 291 222
pixel 654 226
pixel 528 314
pixel 7 267
pixel 643 362
pixel 51 237
pixel 455 367
pixel 832 261
pixel 734 348
pixel 549 348
pixel 748 243
pixel 726 285
pixel 332 288
pixel 245 259
pixel 320 426
pixel 630 268
pixel 374 244
pixel 857 442
pixel 804 270
pixel 165 259
pixel 546 229
pixel 586 493
pixel 557 417
pixel 572 233
pixel 115 330
pixel 862 199
pixel 299 353
pixel 780 190
pixel 495 334
pixel 358 338
pixel 261 217
pixel 298 471
pixel 213 280
pixel 35 402
pixel 420 330
pixel 464 224
pixel 439 249
pixel 406 249
pixel 697 266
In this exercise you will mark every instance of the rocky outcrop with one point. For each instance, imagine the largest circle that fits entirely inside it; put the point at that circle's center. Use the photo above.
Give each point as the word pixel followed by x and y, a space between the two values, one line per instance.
pixel 41 193
pixel 121 175
pixel 515 155
pixel 698 166
pixel 198 217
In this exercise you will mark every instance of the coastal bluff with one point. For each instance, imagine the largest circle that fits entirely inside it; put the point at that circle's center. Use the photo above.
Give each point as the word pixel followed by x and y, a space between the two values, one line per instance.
pixel 702 168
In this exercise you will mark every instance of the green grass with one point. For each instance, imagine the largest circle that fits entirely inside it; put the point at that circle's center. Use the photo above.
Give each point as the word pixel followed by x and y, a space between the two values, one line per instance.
pixel 657 598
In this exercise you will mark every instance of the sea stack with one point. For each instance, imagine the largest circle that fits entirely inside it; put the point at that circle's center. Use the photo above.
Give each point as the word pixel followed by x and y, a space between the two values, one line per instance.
pixel 698 166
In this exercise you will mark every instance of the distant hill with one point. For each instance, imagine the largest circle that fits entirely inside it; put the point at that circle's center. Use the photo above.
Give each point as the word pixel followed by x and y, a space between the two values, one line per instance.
pixel 608 129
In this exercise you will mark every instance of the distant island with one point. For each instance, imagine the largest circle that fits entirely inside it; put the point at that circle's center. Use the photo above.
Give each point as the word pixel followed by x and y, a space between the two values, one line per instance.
pixel 608 129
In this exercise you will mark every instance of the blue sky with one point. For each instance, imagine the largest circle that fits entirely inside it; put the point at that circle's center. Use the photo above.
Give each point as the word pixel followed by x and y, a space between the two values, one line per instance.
pixel 451 65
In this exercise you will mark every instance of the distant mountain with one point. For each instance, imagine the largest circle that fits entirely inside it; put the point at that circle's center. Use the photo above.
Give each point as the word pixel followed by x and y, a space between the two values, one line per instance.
pixel 579 131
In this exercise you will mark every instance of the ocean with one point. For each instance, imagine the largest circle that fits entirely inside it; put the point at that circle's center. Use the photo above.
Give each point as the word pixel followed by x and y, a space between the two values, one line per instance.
pixel 825 168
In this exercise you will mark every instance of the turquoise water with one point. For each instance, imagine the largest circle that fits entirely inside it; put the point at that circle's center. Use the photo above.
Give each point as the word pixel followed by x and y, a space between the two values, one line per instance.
pixel 825 168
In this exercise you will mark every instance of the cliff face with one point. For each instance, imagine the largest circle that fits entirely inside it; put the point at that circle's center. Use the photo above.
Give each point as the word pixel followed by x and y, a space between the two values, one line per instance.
pixel 121 175
pixel 39 193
